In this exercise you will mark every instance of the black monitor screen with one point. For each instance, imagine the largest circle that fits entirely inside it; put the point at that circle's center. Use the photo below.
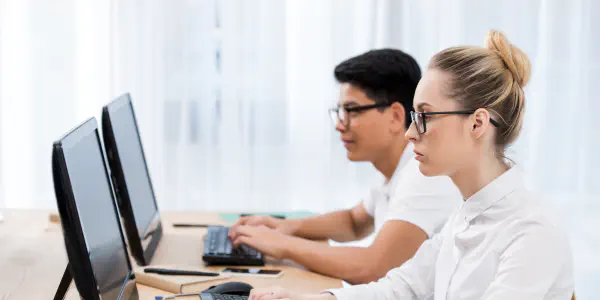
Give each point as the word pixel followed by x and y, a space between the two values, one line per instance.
pixel 133 164
pixel 97 213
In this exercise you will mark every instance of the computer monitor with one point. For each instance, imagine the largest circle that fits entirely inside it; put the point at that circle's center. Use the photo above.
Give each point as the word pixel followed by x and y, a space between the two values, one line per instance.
pixel 98 259
pixel 131 179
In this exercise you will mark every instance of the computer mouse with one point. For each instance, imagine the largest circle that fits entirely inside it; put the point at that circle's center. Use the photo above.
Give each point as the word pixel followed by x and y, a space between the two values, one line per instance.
pixel 230 288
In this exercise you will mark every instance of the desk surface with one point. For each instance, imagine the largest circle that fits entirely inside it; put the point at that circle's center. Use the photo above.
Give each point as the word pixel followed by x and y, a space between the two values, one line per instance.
pixel 32 257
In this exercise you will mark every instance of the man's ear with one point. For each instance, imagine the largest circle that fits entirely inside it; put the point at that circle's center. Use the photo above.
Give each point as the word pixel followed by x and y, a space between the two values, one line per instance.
pixel 398 117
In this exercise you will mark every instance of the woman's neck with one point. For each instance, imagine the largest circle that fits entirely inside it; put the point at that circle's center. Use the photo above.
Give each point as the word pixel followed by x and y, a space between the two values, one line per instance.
pixel 474 177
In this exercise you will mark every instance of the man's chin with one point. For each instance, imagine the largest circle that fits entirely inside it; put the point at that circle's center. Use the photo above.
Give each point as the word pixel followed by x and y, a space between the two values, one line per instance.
pixel 355 157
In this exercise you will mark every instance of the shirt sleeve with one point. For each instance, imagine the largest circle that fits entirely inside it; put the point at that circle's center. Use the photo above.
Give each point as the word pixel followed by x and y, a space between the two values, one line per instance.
pixel 531 265
pixel 413 280
pixel 369 203
pixel 426 202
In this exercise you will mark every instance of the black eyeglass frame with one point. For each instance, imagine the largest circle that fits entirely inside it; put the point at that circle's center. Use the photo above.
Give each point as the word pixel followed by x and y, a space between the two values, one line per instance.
pixel 334 112
pixel 414 116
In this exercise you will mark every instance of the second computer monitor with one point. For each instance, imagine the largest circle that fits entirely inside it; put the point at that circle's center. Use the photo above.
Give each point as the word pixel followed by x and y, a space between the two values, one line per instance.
pixel 131 178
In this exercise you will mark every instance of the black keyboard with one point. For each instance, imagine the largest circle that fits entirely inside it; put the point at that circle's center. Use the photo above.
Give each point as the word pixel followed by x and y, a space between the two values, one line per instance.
pixel 218 250
pixel 221 297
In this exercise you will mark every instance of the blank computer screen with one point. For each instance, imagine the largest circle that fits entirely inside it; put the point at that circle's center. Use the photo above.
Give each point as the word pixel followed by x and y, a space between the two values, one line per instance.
pixel 133 164
pixel 97 214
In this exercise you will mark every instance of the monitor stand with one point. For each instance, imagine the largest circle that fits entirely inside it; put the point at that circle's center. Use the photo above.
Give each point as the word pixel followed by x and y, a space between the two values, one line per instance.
pixel 63 286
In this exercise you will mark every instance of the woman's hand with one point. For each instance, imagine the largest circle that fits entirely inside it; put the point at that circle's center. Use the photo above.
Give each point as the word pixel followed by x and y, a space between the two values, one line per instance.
pixel 273 293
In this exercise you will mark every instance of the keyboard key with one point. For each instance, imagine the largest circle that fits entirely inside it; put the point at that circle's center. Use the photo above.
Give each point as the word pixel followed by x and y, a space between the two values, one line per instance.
pixel 228 297
pixel 217 243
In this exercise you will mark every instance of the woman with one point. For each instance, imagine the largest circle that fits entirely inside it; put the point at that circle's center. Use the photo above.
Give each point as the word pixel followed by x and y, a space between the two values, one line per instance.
pixel 502 243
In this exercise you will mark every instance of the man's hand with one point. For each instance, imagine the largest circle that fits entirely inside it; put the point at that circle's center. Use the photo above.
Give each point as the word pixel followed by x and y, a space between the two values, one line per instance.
pixel 284 226
pixel 264 239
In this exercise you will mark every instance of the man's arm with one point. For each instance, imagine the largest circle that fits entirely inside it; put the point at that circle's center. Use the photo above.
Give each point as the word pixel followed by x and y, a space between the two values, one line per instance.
pixel 342 226
pixel 395 243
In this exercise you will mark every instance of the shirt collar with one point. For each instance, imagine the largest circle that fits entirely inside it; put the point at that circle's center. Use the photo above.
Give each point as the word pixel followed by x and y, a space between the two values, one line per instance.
pixel 492 193
pixel 407 155
pixel 404 159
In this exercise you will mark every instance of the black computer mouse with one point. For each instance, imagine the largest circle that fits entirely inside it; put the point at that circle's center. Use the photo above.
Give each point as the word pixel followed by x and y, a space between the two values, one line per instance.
pixel 230 288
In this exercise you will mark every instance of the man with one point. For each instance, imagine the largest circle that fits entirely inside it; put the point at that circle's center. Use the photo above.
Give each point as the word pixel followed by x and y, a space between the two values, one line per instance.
pixel 373 114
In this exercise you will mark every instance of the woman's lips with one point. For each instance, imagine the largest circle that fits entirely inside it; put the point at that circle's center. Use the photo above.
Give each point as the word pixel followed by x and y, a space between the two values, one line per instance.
pixel 418 155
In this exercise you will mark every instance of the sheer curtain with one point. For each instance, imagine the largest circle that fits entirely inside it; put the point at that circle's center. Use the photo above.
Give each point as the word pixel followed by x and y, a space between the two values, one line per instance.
pixel 232 99
pixel 231 95
pixel 54 73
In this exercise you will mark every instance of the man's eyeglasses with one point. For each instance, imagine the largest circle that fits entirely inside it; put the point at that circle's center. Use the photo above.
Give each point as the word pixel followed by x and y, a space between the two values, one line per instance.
pixel 342 114
pixel 420 118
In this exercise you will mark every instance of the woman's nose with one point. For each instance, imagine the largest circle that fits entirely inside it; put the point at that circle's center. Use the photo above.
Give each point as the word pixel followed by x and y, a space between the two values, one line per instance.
pixel 411 134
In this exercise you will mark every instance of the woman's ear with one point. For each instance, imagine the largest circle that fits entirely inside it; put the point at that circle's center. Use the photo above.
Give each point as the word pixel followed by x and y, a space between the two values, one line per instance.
pixel 480 122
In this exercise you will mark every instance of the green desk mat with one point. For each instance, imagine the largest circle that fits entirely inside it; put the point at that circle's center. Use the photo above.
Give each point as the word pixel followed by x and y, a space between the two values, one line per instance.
pixel 233 217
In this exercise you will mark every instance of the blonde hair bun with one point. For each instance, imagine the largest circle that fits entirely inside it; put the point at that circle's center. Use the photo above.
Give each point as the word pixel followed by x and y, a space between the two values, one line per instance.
pixel 515 60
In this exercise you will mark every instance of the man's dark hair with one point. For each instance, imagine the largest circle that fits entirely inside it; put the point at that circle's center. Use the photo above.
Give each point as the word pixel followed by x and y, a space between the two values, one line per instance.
pixel 385 75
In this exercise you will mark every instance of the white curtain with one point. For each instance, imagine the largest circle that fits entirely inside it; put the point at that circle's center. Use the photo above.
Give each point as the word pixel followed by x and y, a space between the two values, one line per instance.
pixel 232 99
pixel 231 95
pixel 54 73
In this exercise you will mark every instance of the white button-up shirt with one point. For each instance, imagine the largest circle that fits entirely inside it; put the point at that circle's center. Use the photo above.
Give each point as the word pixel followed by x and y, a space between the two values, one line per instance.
pixel 501 244
pixel 410 196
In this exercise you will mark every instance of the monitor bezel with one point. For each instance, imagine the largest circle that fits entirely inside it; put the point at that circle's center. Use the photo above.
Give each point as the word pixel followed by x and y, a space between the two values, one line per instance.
pixel 154 229
pixel 80 264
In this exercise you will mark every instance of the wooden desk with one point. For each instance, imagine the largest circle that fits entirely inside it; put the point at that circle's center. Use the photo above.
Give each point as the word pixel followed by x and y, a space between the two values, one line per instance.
pixel 32 257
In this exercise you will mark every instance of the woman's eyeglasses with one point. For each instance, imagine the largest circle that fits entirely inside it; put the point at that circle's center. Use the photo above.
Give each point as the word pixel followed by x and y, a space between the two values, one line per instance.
pixel 420 118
